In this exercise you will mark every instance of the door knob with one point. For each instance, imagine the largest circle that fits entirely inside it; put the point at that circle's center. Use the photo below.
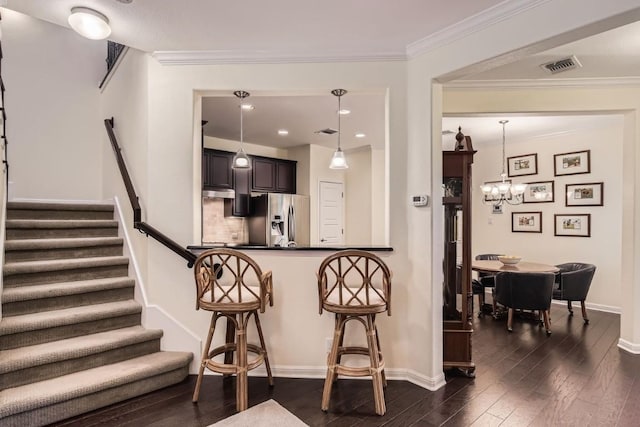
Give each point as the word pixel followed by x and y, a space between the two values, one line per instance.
pixel 323 240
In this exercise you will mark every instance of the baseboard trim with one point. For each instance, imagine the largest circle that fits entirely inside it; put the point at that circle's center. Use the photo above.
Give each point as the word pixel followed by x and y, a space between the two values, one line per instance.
pixel 320 372
pixel 176 336
pixel 62 201
pixel 628 346
pixel 591 306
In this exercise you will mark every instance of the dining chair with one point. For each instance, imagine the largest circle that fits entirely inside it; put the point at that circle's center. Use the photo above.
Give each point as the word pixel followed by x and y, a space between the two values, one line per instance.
pixel 355 285
pixel 230 284
pixel 525 291
pixel 485 280
pixel 572 284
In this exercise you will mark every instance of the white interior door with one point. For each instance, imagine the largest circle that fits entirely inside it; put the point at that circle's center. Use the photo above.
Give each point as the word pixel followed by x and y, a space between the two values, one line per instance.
pixel 331 218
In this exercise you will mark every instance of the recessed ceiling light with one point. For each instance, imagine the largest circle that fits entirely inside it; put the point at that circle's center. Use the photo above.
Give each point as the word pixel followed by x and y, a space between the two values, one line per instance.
pixel 360 135
pixel 89 23
pixel 283 132
pixel 247 107
pixel 344 112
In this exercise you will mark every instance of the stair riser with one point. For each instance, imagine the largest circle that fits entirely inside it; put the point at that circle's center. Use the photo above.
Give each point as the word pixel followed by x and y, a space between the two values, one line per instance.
pixel 64 367
pixel 43 277
pixel 63 253
pixel 67 301
pixel 57 214
pixel 59 233
pixel 40 336
pixel 47 415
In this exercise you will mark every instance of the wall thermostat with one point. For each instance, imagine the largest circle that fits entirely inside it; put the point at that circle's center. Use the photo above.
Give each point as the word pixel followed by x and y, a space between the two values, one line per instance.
pixel 420 200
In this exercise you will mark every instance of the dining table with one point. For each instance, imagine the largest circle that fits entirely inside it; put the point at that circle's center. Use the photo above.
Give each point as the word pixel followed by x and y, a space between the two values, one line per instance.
pixel 495 266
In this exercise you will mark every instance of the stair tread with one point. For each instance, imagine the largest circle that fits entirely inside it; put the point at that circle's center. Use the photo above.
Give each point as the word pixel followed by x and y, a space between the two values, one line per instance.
pixel 60 389
pixel 60 223
pixel 52 290
pixel 21 267
pixel 73 348
pixel 71 242
pixel 67 316
pixel 99 207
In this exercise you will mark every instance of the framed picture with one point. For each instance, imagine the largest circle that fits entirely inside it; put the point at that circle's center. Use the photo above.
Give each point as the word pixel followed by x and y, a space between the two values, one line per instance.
pixel 589 194
pixel 488 198
pixel 526 222
pixel 572 163
pixel 574 225
pixel 538 192
pixel 522 165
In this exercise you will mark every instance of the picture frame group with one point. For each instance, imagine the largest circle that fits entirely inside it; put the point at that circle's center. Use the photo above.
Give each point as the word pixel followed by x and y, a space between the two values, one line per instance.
pixel 574 163
pixel 526 164
pixel 538 192
pixel 526 222
pixel 587 194
pixel 572 225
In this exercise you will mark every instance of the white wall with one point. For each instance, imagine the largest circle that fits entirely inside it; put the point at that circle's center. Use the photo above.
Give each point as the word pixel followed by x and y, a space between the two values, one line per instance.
pixel 125 98
pixel 378 198
pixel 255 149
pixel 52 99
pixel 301 154
pixel 492 232
pixel 358 197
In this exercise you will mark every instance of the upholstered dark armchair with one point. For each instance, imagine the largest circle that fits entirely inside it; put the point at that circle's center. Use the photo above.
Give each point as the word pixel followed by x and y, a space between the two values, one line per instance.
pixel 484 280
pixel 526 291
pixel 572 284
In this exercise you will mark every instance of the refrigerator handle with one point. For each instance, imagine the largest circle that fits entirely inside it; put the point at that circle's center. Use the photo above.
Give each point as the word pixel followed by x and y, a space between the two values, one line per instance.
pixel 291 221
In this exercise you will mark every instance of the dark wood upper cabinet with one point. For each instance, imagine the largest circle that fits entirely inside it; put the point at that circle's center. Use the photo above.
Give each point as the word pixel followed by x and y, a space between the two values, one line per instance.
pixel 273 175
pixel 264 175
pixel 217 173
pixel 267 175
pixel 286 177
pixel 240 205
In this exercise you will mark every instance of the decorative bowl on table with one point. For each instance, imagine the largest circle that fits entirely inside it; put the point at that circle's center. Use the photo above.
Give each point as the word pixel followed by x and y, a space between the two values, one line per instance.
pixel 509 259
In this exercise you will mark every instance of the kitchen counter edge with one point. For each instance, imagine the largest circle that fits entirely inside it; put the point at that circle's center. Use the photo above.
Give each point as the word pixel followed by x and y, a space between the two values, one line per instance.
pixel 198 248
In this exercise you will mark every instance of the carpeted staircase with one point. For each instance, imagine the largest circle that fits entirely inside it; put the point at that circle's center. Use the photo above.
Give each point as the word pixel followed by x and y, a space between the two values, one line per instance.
pixel 70 335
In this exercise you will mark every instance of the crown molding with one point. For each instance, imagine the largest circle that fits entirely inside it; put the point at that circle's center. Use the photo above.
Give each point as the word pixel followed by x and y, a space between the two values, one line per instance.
pixel 214 57
pixel 542 83
pixel 470 25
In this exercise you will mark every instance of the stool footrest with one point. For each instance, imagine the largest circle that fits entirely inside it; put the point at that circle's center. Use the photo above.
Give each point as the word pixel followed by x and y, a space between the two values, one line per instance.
pixel 229 368
pixel 358 371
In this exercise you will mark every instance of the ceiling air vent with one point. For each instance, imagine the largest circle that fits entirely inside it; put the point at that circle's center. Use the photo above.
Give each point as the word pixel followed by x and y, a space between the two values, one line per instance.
pixel 564 64
pixel 327 131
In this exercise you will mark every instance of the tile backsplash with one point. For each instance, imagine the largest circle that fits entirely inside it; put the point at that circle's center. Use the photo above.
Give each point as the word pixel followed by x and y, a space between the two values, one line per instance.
pixel 216 228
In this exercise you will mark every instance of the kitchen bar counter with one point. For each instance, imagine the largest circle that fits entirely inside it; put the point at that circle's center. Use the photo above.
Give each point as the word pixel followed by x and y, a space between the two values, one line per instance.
pixel 200 248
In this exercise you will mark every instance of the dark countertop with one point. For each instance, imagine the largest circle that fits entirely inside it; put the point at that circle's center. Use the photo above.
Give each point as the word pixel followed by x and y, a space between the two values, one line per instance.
pixel 295 248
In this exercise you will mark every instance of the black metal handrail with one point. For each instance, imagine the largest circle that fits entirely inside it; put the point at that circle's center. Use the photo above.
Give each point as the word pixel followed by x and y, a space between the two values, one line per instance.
pixel 138 224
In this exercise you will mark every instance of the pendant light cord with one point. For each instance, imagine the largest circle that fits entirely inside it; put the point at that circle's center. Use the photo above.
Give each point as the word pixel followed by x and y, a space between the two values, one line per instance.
pixel 339 119
pixel 504 156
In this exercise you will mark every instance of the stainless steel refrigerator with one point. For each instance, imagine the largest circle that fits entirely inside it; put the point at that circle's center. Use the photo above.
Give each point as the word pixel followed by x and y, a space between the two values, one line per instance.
pixel 279 220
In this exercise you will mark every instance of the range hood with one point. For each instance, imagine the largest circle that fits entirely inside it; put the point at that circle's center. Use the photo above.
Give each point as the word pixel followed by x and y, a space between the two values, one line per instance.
pixel 221 194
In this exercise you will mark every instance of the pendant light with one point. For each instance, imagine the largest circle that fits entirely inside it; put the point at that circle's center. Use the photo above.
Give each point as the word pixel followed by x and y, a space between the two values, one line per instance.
pixel 89 23
pixel 338 160
pixel 241 160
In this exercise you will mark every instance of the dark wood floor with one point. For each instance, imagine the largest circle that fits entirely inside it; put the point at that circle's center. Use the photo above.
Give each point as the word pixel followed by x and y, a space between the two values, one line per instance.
pixel 577 376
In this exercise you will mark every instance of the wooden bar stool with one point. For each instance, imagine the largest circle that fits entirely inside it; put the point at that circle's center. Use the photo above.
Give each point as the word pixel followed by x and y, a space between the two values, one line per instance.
pixel 355 285
pixel 231 285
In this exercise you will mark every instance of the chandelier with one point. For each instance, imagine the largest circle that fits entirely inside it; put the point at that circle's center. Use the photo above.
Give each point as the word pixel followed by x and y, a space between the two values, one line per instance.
pixel 503 191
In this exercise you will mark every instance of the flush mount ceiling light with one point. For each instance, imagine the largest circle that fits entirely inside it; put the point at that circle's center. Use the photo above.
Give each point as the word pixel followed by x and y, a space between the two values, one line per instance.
pixel 89 23
pixel 247 107
pixel 360 135
pixel 240 160
pixel 344 111
pixel 338 160
pixel 283 132
pixel 502 191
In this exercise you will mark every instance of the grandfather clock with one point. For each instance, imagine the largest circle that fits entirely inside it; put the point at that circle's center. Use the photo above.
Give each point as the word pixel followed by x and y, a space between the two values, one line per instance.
pixel 457 325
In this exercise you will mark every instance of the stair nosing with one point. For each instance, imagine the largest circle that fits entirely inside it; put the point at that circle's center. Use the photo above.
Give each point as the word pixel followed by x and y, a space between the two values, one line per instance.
pixel 61 243
pixel 74 348
pixel 67 316
pixel 38 266
pixel 44 393
pixel 60 289
pixel 35 224
pixel 57 206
